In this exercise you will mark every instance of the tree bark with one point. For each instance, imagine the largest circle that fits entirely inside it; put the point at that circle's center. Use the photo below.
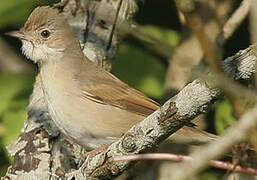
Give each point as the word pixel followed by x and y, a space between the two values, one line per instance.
pixel 41 152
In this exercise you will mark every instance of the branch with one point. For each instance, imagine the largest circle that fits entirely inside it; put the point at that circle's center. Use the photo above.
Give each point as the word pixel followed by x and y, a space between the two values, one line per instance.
pixel 180 158
pixel 195 23
pixel 41 153
pixel 177 74
pixel 234 21
pixel 211 51
pixel 253 22
pixel 175 113
pixel 233 135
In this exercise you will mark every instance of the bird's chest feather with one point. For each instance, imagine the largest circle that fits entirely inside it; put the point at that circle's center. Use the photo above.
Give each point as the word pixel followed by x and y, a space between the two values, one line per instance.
pixel 79 117
pixel 59 89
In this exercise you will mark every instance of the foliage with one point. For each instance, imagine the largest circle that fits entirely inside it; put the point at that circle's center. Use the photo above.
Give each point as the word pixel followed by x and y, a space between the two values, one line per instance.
pixel 223 116
pixel 14 95
pixel 13 12
pixel 140 70
pixel 158 39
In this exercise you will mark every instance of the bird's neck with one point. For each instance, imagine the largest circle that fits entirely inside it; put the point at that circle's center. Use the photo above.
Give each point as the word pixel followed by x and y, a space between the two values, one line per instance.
pixel 65 66
pixel 58 76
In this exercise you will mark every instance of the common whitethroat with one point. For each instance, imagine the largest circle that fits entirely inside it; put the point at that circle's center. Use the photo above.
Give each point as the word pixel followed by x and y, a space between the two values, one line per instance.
pixel 87 103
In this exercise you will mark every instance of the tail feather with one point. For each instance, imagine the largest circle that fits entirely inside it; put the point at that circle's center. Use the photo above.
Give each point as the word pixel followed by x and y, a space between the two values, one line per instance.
pixel 192 135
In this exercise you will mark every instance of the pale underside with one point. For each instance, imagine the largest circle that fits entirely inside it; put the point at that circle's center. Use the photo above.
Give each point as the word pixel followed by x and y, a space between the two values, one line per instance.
pixel 87 103
pixel 91 116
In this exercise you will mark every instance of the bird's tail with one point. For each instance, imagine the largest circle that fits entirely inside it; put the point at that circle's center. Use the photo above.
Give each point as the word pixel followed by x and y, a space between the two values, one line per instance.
pixel 192 135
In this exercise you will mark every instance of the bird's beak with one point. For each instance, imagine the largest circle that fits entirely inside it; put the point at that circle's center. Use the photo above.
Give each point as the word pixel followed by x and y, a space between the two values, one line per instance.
pixel 17 34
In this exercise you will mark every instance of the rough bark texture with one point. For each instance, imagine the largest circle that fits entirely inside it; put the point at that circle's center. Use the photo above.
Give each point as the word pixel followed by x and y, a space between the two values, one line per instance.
pixel 42 153
pixel 192 100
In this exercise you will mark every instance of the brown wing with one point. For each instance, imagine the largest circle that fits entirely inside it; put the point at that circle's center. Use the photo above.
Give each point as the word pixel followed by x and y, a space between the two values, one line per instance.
pixel 102 87
pixel 105 88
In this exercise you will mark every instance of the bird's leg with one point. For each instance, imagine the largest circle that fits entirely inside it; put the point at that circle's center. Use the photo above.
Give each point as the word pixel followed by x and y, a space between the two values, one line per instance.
pixel 95 152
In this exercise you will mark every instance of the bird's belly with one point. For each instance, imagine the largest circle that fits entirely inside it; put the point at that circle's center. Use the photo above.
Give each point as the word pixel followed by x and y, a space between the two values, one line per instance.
pixel 100 119
pixel 89 123
pixel 79 118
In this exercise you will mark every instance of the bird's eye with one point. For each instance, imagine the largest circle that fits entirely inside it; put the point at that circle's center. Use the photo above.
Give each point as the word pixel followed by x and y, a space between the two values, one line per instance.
pixel 45 34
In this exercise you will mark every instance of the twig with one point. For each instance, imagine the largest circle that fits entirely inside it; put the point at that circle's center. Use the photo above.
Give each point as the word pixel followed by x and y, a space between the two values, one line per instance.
pixel 233 135
pixel 187 104
pixel 194 22
pixel 113 26
pixel 233 22
pixel 253 22
pixel 179 158
pixel 40 152
pixel 212 52
pixel 253 27
pixel 174 80
pixel 39 155
pixel 234 88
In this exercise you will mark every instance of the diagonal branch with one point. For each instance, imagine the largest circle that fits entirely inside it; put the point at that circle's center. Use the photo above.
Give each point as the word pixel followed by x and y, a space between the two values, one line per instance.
pixel 192 100
pixel 41 153
pixel 233 22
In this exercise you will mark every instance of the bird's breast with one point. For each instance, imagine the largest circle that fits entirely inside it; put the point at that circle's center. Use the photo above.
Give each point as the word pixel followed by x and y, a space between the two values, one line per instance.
pixel 78 117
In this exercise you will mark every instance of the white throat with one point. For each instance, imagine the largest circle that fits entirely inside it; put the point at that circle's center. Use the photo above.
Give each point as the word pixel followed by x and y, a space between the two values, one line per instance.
pixel 40 52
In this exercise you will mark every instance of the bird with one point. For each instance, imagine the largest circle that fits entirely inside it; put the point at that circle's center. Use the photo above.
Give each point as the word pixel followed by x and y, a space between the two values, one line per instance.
pixel 88 104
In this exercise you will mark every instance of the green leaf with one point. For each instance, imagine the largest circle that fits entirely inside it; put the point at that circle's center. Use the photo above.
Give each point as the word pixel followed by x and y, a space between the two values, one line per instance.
pixel 157 39
pixel 139 70
pixel 13 12
pixel 14 94
pixel 223 116
pixel 162 34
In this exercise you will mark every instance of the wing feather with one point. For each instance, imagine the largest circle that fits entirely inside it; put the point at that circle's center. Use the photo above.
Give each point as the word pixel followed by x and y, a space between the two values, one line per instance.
pixel 105 88
pixel 102 87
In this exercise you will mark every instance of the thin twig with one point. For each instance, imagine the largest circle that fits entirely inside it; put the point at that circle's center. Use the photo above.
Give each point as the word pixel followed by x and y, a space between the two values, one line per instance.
pixel 234 88
pixel 253 22
pixel 181 108
pixel 208 47
pixel 179 158
pixel 211 51
pixel 114 25
pixel 233 22
pixel 202 156
pixel 195 23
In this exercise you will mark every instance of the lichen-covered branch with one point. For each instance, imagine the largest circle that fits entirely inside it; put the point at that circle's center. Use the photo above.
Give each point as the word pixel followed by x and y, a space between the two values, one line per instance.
pixel 192 100
pixel 41 152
